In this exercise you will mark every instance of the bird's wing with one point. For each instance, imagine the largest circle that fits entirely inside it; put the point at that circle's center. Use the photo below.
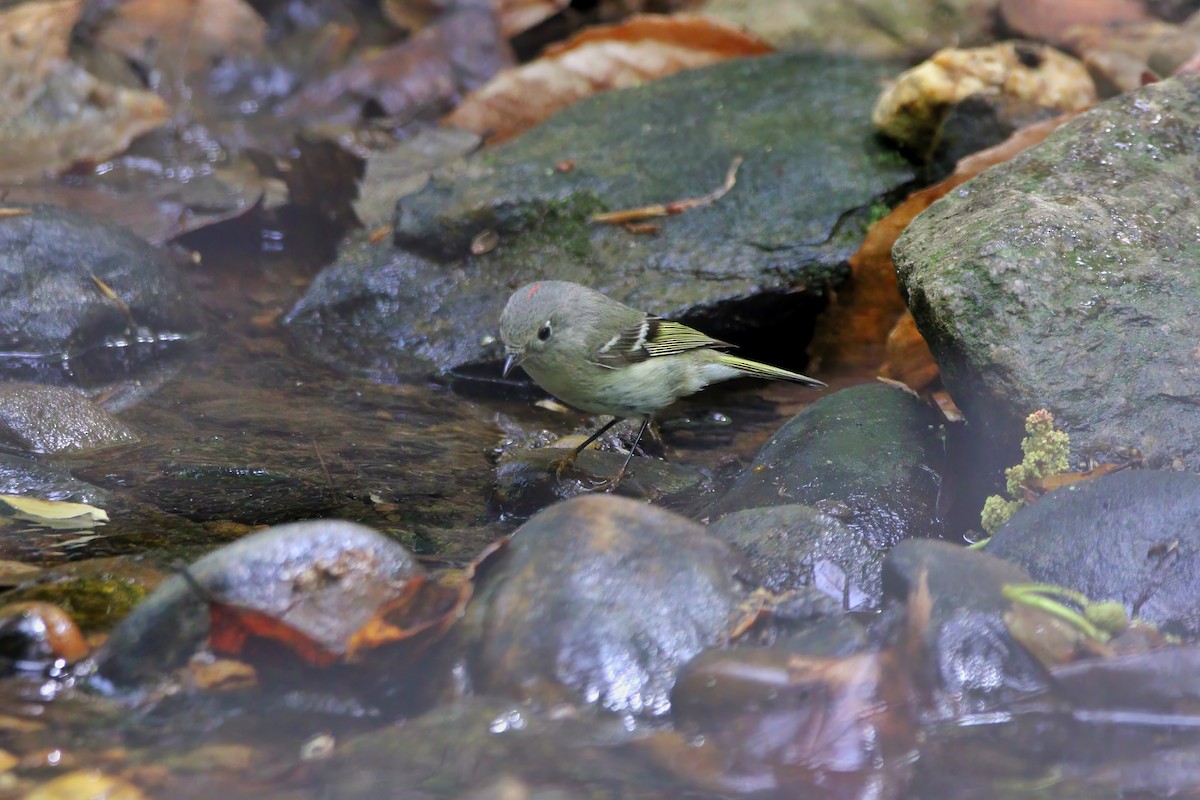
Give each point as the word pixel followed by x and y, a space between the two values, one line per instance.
pixel 651 338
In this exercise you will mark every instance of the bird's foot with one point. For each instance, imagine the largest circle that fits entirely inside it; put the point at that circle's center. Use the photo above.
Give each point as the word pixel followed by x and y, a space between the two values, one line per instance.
pixel 563 464
pixel 607 485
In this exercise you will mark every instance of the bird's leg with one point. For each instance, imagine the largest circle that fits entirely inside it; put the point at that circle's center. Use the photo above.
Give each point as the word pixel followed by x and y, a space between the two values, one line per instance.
pixel 611 483
pixel 569 459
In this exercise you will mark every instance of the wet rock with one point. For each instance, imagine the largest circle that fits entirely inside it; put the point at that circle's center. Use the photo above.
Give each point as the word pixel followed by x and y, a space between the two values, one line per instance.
pixel 52 419
pixel 790 722
pixel 1130 536
pixel 967 644
pixel 27 477
pixel 35 635
pixel 1155 682
pixel 599 599
pixel 467 744
pixel 798 210
pixel 793 547
pixel 251 495
pixel 324 578
pixel 57 323
pixel 1029 77
pixel 1063 280
pixel 869 456
pixel 526 480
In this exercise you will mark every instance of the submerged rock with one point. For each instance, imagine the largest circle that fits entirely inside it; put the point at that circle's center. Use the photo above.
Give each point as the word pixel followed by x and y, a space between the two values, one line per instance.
pixel 57 322
pixel 795 547
pixel 322 578
pixel 797 211
pixel 527 480
pixel 467 744
pixel 1065 279
pixel 600 599
pixel 27 477
pixel 966 642
pixel 793 722
pixel 53 419
pixel 1130 536
pixel 870 456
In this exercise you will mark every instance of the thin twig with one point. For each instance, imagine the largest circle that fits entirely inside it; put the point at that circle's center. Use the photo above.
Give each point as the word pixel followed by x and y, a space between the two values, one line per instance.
pixel 324 468
pixel 109 293
pixel 669 209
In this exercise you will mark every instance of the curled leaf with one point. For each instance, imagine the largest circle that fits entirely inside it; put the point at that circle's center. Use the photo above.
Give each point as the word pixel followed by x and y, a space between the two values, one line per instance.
pixel 600 58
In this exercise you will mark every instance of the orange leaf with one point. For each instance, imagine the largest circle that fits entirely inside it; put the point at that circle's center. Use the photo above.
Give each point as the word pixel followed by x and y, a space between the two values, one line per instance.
pixel 234 630
pixel 595 60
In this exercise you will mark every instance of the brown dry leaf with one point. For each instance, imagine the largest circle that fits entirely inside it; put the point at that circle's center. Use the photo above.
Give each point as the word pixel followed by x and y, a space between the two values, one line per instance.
pixel 1191 65
pixel 908 356
pixel 854 331
pixel 55 113
pixel 183 36
pixel 598 59
pixel 413 15
pixel 517 16
pixel 222 674
pixel 426 72
pixel 1049 483
pixel 1049 20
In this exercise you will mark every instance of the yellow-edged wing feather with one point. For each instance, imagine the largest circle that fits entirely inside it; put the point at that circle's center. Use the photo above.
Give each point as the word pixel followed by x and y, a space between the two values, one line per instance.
pixel 652 338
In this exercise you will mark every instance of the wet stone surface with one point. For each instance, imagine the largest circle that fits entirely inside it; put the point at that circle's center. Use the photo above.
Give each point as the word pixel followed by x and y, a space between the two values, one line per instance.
pixel 56 322
pixel 1130 536
pixel 870 456
pixel 796 547
pixel 53 419
pixel 598 600
pixel 967 643
pixel 1063 279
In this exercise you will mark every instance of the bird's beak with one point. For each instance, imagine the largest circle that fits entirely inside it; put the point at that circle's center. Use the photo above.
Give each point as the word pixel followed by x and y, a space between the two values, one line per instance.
pixel 513 360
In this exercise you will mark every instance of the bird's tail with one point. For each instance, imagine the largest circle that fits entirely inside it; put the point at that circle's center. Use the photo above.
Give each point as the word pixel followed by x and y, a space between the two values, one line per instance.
pixel 757 370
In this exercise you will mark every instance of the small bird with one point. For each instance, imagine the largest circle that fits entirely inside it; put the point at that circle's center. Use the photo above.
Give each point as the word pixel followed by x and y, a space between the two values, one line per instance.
pixel 602 356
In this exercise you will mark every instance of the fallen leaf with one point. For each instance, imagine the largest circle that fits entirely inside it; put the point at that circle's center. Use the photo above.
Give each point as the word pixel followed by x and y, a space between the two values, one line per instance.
pixel 53 511
pixel 90 784
pixel 908 357
pixel 57 114
pixel 517 16
pixel 170 35
pixel 596 60
pixel 1049 20
pixel 948 407
pixel 243 632
pixel 427 72
pixel 1051 482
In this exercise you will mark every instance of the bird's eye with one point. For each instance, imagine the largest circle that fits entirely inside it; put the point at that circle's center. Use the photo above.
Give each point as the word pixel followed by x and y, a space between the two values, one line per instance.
pixel 544 331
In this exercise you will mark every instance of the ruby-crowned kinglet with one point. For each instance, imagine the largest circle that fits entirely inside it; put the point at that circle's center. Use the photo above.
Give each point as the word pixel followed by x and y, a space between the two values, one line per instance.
pixel 602 356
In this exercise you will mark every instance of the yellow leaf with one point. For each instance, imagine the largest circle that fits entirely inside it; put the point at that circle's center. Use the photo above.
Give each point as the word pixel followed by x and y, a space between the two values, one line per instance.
pixel 38 510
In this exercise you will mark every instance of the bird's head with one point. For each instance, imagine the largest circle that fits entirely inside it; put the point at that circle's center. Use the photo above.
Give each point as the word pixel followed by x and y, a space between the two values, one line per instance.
pixel 530 322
